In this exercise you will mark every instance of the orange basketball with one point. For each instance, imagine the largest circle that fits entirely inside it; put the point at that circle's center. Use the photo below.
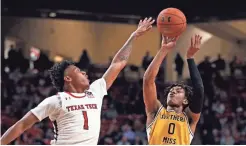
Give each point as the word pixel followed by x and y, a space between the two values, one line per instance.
pixel 171 22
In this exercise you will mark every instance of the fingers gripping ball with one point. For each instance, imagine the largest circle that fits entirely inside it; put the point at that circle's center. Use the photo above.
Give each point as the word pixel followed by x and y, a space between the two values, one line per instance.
pixel 171 22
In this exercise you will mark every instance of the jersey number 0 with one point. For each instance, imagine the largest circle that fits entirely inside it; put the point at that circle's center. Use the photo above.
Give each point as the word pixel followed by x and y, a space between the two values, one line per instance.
pixel 86 127
pixel 171 128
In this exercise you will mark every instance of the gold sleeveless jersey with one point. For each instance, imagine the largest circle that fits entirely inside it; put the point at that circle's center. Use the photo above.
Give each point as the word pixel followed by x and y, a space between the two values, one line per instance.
pixel 169 127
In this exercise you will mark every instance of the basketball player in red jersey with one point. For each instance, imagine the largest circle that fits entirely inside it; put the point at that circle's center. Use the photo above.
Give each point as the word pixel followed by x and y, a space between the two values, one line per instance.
pixel 75 111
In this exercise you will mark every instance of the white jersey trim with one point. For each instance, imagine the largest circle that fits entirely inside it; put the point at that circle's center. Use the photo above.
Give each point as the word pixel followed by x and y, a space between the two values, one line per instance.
pixel 187 119
pixel 155 117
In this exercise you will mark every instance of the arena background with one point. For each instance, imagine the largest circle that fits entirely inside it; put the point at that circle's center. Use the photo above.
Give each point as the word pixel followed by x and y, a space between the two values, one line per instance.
pixel 62 30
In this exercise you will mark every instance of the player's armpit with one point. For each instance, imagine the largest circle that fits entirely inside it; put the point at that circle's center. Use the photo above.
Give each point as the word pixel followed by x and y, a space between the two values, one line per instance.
pixel 152 104
pixel 194 118
pixel 18 128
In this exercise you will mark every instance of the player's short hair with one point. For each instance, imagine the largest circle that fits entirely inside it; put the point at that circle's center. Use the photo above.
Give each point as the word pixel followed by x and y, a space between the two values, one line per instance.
pixel 187 89
pixel 57 74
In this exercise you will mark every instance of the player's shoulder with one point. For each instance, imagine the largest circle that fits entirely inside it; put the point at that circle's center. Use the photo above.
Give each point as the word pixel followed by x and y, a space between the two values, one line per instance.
pixel 98 82
pixel 98 87
pixel 60 94
pixel 55 98
pixel 51 101
pixel 161 110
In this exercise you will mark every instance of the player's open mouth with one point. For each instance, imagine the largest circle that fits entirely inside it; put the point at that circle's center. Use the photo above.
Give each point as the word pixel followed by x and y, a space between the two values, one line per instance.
pixel 172 95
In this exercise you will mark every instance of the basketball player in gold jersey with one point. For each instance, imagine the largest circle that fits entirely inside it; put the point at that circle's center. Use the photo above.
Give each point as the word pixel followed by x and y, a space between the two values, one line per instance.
pixel 174 121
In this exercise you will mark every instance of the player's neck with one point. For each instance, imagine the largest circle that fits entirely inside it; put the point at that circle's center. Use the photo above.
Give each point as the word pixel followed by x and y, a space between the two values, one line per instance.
pixel 176 109
pixel 72 89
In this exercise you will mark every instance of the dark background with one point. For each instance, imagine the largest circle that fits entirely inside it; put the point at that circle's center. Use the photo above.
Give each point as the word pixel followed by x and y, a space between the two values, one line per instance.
pixel 195 10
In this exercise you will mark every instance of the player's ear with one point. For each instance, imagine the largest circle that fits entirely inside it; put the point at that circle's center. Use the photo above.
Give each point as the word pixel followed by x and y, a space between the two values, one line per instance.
pixel 67 79
pixel 185 101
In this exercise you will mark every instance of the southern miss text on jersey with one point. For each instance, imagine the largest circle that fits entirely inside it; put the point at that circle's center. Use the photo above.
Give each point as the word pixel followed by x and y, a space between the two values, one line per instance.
pixel 169 127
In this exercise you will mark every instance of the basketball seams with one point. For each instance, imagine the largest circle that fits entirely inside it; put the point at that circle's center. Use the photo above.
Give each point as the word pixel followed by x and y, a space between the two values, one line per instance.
pixel 170 24
pixel 177 16
pixel 177 32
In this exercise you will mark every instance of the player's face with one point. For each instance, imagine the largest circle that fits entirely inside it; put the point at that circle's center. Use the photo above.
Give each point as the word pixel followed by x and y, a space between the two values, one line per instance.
pixel 76 77
pixel 176 96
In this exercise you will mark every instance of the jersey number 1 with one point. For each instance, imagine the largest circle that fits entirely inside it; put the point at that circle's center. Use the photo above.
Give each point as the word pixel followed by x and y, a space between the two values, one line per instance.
pixel 171 128
pixel 86 127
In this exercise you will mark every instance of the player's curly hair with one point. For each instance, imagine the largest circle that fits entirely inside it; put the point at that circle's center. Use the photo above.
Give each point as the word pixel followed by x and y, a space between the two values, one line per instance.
pixel 187 89
pixel 57 74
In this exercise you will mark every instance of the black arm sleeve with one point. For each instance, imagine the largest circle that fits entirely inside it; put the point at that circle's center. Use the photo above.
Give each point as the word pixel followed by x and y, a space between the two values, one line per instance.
pixel 196 103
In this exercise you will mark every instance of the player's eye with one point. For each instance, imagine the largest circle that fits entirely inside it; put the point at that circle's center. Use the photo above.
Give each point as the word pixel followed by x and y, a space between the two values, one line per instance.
pixel 83 72
pixel 180 91
pixel 77 70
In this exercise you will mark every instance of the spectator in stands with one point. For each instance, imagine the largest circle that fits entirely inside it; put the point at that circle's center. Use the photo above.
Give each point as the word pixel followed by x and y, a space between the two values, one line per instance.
pixel 123 141
pixel 139 129
pixel 226 138
pixel 84 61
pixel 207 138
pixel 132 73
pixel 206 70
pixel 216 136
pixel 128 133
pixel 233 65
pixel 12 54
pixel 179 62
pixel 138 141
pixel 219 64
pixel 146 60
pixel 16 59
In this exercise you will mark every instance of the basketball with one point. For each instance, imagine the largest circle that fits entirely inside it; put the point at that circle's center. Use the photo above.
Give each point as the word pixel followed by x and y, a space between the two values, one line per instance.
pixel 171 22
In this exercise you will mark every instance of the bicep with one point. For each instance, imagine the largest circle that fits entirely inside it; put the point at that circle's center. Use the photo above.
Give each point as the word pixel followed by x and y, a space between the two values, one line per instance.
pixel 194 118
pixel 111 74
pixel 152 104
pixel 28 120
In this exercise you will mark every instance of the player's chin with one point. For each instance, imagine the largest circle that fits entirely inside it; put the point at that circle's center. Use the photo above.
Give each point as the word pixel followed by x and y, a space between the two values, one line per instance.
pixel 85 84
pixel 172 102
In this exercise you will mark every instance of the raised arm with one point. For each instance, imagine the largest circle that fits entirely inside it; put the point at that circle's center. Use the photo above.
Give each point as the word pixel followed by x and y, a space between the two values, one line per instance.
pixel 195 107
pixel 120 59
pixel 18 128
pixel 151 102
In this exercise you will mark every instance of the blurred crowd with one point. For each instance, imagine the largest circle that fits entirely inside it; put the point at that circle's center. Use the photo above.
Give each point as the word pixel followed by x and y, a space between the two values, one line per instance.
pixel 223 119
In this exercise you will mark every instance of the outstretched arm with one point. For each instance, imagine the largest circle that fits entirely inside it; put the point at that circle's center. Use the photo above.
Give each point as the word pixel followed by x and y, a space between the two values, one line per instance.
pixel 18 128
pixel 151 102
pixel 195 107
pixel 43 110
pixel 120 59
